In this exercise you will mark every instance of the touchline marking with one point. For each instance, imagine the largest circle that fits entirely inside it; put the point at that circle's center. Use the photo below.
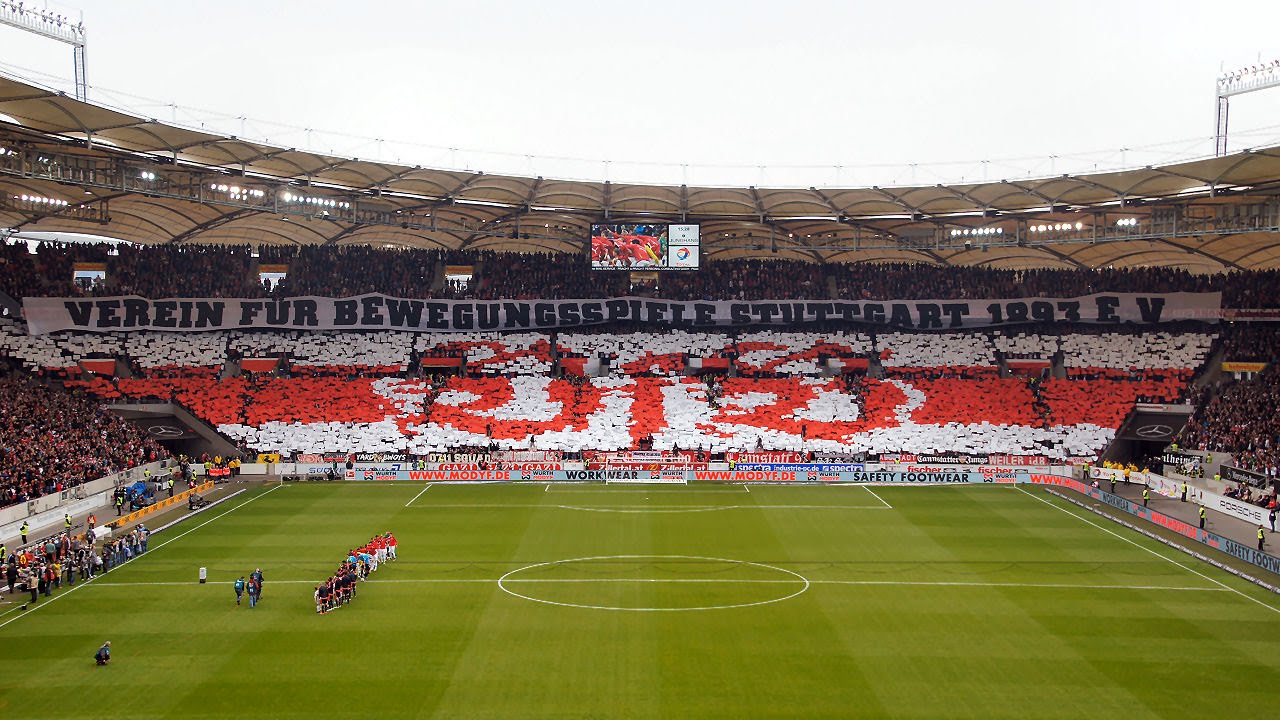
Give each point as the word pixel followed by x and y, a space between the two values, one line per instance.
pixel 415 497
pixel 1153 552
pixel 6 612
pixel 52 600
pixel 89 582
pixel 877 496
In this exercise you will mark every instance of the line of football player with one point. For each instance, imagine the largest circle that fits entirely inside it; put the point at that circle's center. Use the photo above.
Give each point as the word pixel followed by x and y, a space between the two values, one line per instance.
pixel 360 562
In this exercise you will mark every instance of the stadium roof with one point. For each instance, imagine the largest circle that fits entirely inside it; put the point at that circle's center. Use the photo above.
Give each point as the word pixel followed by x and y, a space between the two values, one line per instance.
pixel 134 178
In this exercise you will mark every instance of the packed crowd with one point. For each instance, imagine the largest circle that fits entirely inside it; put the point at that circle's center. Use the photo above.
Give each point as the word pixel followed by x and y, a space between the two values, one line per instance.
pixel 352 270
pixel 340 588
pixel 748 279
pixel 543 276
pixel 179 271
pixel 1251 342
pixel 229 271
pixel 1240 419
pixel 51 440
pixel 23 274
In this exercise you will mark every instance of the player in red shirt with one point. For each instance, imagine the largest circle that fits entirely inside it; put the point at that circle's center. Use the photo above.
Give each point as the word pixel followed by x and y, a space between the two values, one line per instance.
pixel 600 250
pixel 639 252
pixel 655 247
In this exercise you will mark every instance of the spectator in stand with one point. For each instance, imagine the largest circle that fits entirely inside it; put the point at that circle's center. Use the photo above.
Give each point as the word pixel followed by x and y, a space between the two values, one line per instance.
pixel 1240 420
pixel 51 440
pixel 156 271
pixel 1251 342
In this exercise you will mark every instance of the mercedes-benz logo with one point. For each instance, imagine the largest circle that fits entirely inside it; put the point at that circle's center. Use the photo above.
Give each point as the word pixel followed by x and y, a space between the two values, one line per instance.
pixel 165 431
pixel 1154 431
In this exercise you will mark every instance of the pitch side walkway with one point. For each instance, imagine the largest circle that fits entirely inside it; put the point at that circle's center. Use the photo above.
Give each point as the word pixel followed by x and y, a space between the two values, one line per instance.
pixel 107 514
pixel 1189 512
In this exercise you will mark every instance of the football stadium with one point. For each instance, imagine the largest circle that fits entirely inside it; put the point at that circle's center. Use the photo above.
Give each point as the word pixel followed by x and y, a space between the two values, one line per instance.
pixel 595 444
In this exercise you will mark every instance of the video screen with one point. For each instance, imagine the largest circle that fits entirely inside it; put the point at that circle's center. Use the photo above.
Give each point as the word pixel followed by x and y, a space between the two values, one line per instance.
pixel 644 246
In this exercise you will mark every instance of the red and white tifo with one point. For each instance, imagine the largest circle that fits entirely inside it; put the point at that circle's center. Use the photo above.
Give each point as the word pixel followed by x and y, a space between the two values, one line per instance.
pixel 978 415
pixel 348 392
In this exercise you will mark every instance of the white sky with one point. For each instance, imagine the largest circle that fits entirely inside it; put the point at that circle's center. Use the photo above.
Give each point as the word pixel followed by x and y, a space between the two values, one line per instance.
pixel 722 86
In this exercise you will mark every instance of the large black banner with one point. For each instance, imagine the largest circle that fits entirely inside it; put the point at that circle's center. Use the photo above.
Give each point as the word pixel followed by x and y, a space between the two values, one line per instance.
pixel 1241 475
pixel 380 312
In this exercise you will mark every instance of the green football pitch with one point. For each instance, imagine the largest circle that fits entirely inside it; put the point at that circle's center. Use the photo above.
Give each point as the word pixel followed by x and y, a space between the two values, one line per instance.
pixel 591 601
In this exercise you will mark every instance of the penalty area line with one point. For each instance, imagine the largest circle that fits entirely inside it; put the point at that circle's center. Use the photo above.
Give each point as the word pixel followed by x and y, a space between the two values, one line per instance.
pixel 1153 552
pixel 415 497
pixel 876 495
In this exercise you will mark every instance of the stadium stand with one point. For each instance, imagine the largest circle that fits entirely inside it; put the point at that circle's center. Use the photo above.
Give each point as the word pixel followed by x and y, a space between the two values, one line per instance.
pixel 1025 346
pixel 489 354
pixel 37 353
pixel 963 354
pixel 159 353
pixel 52 439
pixel 519 411
pixel 1241 419
pixel 1251 342
pixel 228 271
pixel 798 353
pixel 772 388
pixel 646 353
pixel 1095 354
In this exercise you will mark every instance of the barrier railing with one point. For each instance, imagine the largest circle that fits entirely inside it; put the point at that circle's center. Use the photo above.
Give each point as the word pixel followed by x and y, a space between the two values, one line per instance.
pixel 159 505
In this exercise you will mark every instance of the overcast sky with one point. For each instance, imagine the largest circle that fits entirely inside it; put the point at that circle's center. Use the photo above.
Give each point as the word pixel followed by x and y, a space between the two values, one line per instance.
pixel 721 86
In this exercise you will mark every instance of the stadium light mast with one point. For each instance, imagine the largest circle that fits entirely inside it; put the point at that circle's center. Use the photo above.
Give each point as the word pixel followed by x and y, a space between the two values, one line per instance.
pixel 1245 80
pixel 53 25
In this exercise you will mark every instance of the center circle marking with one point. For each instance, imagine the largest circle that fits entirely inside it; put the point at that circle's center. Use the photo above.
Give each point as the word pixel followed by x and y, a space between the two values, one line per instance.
pixel 508 579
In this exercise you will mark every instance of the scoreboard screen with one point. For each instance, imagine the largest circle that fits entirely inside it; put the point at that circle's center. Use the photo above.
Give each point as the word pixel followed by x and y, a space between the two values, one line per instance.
pixel 645 246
